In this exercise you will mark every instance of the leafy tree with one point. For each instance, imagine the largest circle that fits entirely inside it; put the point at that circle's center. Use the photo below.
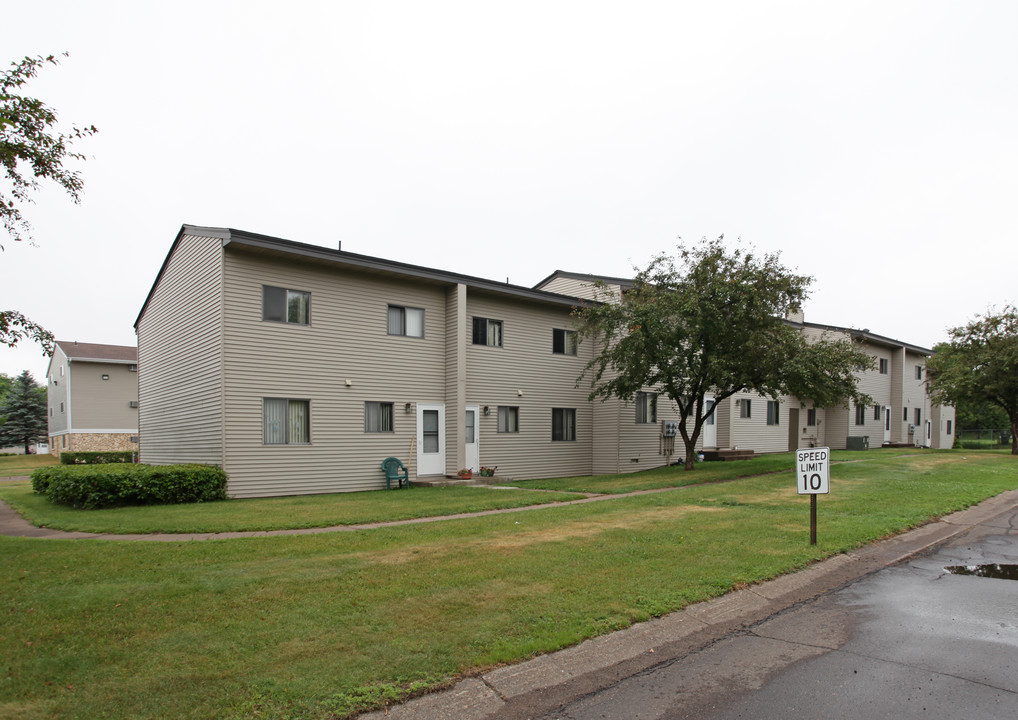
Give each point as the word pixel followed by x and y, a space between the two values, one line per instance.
pixel 30 151
pixel 980 365
pixel 711 321
pixel 14 326
pixel 23 412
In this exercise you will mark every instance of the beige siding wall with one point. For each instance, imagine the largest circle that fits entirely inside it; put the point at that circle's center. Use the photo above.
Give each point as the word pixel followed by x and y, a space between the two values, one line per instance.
pixel 104 405
pixel 943 426
pixel 179 358
pixel 577 288
pixel 526 364
pixel 836 427
pixel 56 394
pixel 455 379
pixel 346 340
pixel 754 432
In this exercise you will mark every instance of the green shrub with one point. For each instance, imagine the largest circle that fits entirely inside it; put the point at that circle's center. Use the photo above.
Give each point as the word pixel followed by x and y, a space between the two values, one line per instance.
pixel 96 458
pixel 98 486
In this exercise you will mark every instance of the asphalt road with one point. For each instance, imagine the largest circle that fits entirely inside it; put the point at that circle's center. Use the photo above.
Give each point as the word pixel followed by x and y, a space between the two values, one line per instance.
pixel 882 632
pixel 910 641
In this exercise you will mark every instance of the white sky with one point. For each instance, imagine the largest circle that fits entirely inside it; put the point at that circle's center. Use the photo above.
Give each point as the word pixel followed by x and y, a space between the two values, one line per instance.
pixel 875 144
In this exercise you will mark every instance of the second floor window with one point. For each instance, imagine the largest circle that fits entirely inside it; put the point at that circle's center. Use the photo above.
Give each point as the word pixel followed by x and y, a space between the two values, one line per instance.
pixel 860 414
pixel 406 321
pixel 773 412
pixel 563 342
pixel 487 332
pixel 811 417
pixel 286 306
pixel 883 366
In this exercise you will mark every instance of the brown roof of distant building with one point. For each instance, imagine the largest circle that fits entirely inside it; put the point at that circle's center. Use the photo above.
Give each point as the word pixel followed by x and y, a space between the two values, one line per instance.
pixel 81 351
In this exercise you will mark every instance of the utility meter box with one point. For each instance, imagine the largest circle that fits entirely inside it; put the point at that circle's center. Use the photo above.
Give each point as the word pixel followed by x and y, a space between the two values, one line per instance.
pixel 671 428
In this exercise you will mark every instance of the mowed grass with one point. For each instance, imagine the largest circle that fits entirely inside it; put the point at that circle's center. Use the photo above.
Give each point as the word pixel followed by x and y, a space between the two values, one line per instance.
pixel 317 626
pixel 307 511
pixel 15 465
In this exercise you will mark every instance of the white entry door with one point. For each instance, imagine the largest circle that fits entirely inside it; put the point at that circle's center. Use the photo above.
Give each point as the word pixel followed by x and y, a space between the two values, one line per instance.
pixel 887 424
pixel 471 441
pixel 710 425
pixel 430 439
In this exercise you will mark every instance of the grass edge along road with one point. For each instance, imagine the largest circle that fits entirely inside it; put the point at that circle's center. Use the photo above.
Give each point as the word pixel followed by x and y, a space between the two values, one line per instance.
pixel 320 626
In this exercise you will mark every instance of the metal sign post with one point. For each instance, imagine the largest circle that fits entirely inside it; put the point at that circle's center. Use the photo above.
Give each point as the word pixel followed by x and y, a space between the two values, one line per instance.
pixel 813 477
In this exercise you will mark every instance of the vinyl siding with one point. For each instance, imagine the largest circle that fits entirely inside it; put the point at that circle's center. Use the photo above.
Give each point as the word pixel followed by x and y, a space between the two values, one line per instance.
pixel 573 287
pixel 346 340
pixel 56 392
pixel 526 363
pixel 179 358
pixel 104 404
pixel 754 432
pixel 455 379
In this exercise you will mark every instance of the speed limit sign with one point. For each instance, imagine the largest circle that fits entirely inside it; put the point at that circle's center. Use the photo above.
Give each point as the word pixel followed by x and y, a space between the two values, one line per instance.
pixel 814 474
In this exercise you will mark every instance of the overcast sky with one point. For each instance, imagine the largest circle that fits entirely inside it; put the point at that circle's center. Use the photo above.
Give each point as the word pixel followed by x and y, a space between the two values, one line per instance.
pixel 875 144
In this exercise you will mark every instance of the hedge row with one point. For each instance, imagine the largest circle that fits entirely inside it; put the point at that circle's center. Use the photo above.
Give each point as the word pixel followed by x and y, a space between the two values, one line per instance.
pixel 97 486
pixel 96 458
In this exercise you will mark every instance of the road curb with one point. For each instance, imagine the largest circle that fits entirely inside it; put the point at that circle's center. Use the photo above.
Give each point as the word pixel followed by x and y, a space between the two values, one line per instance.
pixel 554 679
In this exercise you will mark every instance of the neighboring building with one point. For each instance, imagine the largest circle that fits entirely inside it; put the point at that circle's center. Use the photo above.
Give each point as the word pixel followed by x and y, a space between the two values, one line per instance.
pixel 298 369
pixel 92 393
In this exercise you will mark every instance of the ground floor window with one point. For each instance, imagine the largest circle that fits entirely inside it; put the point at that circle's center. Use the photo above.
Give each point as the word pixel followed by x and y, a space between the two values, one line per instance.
pixel 773 412
pixel 860 414
pixel 811 417
pixel 646 407
pixel 563 424
pixel 378 417
pixel 286 421
pixel 508 419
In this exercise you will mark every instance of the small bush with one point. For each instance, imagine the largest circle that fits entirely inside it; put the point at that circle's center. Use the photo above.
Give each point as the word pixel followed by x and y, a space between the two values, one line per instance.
pixel 97 486
pixel 96 458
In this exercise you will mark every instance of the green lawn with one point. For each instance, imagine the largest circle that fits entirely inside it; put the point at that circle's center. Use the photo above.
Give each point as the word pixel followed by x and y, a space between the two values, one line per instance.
pixel 14 465
pixel 315 626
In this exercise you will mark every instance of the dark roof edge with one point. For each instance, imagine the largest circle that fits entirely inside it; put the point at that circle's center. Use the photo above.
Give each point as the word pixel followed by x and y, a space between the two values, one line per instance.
pixel 872 337
pixel 242 237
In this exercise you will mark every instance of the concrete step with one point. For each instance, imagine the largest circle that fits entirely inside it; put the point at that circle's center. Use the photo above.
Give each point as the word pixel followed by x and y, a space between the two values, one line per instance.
pixel 455 480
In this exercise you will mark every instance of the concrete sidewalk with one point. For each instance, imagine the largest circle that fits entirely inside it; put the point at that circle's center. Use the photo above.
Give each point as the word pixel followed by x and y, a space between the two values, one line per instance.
pixel 535 687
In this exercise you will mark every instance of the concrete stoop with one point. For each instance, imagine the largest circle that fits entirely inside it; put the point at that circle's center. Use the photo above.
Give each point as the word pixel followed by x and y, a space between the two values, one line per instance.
pixel 455 480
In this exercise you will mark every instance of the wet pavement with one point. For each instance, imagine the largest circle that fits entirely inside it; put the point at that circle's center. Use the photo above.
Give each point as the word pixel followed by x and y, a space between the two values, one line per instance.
pixel 883 632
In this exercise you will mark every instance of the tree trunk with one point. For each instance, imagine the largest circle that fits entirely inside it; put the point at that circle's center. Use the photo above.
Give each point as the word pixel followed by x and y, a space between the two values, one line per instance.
pixel 690 460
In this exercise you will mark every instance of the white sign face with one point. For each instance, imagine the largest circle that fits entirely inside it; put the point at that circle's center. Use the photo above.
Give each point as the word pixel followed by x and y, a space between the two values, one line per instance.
pixel 813 472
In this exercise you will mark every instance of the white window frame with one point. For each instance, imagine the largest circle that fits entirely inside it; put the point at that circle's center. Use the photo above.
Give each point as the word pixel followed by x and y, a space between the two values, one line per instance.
pixel 745 408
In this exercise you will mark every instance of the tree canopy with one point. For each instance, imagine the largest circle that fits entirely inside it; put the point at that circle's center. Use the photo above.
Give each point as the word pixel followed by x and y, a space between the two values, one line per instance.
pixel 980 365
pixel 23 412
pixel 30 151
pixel 712 322
pixel 28 143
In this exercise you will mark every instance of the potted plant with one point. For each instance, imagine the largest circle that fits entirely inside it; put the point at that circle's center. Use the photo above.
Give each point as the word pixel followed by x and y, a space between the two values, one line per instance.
pixel 488 471
pixel 466 473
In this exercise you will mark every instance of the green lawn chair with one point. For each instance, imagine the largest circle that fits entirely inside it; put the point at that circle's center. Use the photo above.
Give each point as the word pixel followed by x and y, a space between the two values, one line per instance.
pixel 395 470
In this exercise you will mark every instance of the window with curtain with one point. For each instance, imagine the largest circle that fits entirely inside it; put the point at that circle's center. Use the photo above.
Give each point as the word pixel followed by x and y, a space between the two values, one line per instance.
pixel 487 332
pixel 563 424
pixel 286 422
pixel 860 414
pixel 378 417
pixel 508 419
pixel 773 412
pixel 286 306
pixel 406 321
pixel 646 407
pixel 430 440
pixel 563 342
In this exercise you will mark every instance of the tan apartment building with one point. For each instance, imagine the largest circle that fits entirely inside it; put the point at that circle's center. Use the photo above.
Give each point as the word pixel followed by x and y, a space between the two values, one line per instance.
pixel 92 397
pixel 299 368
pixel 902 413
